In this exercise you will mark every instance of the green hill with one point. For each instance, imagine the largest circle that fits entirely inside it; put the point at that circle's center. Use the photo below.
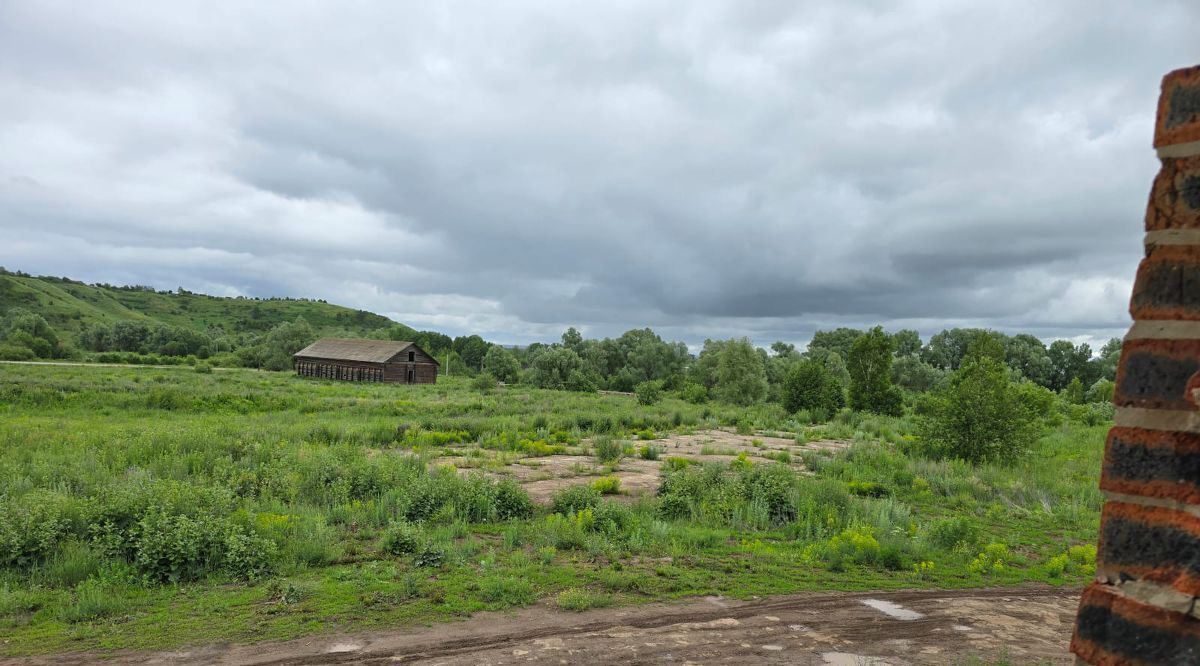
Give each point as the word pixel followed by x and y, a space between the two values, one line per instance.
pixel 68 306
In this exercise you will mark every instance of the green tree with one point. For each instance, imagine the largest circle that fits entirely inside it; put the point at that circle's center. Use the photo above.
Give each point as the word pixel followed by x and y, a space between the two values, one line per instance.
pixel 501 364
pixel 281 342
pixel 1027 355
pixel 1101 391
pixel 870 366
pixel 947 349
pixel 911 373
pixel 981 416
pixel 472 349
pixel 1068 361
pixel 557 368
pixel 741 375
pixel 572 339
pixel 21 328
pixel 908 342
pixel 838 340
pixel 809 385
pixel 1074 393
pixel 1110 356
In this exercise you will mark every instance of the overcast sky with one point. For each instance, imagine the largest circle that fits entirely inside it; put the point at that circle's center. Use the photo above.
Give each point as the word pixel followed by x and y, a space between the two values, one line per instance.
pixel 708 169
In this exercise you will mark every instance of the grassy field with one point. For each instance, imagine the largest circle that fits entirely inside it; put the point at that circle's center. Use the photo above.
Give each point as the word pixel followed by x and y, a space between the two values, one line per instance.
pixel 150 508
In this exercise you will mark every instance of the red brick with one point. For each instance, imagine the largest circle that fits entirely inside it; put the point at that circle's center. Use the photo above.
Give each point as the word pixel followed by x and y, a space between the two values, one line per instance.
pixel 1154 374
pixel 1152 463
pixel 1167 284
pixel 1151 543
pixel 1178 118
pixel 1114 630
pixel 1173 196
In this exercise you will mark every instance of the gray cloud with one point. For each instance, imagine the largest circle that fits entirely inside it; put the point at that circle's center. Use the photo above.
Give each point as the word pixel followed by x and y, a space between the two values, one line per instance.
pixel 708 169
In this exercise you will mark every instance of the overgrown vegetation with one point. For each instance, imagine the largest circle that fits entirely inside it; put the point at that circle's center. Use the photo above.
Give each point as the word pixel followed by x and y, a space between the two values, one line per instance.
pixel 245 505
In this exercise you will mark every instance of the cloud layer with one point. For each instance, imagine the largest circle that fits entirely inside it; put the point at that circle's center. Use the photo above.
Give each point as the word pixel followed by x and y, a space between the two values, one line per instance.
pixel 708 169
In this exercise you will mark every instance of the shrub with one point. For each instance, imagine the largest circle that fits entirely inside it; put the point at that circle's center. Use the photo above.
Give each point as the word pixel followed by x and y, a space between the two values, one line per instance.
pixel 607 449
pixel 248 556
pixel 401 538
pixel 607 485
pixel 649 452
pixel 573 499
pixel 648 393
pixel 993 559
pixel 810 386
pixel 176 548
pixel 430 554
pixel 953 533
pixel 512 501
pixel 694 393
pixel 204 368
pixel 980 416
pixel 484 382
pixel 12 352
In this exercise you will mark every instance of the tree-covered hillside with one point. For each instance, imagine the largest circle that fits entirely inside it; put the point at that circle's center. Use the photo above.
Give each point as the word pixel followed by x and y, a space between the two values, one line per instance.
pixel 70 306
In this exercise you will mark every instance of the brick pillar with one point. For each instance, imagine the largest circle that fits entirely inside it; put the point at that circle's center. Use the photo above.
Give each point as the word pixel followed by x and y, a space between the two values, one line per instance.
pixel 1143 606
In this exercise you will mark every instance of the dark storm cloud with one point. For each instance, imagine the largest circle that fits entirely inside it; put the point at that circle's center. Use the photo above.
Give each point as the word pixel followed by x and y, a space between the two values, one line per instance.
pixel 708 169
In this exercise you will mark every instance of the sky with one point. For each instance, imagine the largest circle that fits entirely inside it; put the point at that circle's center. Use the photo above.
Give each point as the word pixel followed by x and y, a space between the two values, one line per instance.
pixel 706 168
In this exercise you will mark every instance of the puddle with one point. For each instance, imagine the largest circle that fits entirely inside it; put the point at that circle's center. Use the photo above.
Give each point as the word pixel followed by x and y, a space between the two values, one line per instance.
pixel 850 659
pixel 344 647
pixel 894 610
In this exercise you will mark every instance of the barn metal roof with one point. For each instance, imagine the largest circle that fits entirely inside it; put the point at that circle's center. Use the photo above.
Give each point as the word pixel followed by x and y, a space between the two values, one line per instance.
pixel 352 349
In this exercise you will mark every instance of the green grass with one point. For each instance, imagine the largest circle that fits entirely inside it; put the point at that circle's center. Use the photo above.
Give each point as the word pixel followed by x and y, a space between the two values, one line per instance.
pixel 153 508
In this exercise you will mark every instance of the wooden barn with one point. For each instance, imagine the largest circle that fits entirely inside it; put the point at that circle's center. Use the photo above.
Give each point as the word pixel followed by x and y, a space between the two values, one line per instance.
pixel 366 361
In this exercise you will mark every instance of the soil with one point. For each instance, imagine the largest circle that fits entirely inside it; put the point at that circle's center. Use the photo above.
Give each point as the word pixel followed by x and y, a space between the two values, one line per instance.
pixel 1029 624
pixel 543 476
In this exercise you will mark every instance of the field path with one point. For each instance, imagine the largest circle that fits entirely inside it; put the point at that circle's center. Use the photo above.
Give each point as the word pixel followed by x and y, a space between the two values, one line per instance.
pixel 1025 625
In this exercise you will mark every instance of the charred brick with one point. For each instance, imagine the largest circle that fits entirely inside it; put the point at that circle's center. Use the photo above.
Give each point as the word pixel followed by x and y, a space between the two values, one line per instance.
pixel 1152 379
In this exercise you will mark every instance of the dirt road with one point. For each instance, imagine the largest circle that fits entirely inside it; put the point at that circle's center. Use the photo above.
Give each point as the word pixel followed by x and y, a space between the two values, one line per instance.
pixel 1025 625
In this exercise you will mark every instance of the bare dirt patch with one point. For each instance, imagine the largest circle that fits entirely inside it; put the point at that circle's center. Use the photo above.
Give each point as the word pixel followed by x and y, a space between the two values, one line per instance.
pixel 543 476
pixel 1029 624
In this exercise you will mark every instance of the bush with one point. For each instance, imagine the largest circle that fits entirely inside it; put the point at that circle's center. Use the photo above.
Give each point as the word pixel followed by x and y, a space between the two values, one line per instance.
pixel 573 499
pixel 649 452
pixel 980 416
pixel 401 538
pixel 607 449
pixel 607 485
pixel 648 393
pixel 176 548
pixel 204 368
pixel 993 559
pixel 694 393
pixel 431 554
pixel 512 501
pixel 12 352
pixel 248 556
pixel 953 533
pixel 810 386
pixel 484 382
